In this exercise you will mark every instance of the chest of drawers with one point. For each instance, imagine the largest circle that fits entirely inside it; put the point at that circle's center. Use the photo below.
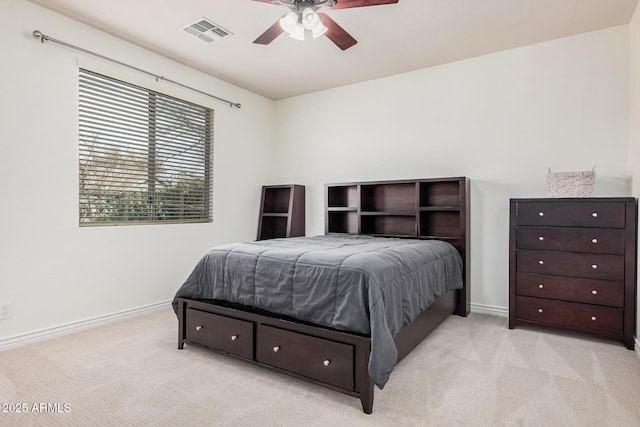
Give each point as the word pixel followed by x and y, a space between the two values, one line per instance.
pixel 572 265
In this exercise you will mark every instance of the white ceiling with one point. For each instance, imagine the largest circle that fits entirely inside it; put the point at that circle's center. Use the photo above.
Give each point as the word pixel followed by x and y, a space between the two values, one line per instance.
pixel 392 39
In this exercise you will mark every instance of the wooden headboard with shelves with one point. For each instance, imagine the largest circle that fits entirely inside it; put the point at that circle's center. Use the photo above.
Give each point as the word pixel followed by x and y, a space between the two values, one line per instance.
pixel 429 208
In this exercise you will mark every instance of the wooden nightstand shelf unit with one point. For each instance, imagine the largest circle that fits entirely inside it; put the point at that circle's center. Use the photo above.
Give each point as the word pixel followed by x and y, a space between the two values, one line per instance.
pixel 572 265
pixel 281 212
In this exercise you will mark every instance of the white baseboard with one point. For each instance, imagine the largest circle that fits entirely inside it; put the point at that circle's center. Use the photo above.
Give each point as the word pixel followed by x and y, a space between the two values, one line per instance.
pixel 489 309
pixel 48 333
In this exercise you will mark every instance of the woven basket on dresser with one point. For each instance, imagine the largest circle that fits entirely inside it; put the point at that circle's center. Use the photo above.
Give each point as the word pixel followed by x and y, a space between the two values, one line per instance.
pixel 571 184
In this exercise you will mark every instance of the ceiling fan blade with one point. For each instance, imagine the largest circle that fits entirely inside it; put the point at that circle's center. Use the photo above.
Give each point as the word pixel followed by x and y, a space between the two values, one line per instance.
pixel 336 33
pixel 345 4
pixel 265 1
pixel 270 35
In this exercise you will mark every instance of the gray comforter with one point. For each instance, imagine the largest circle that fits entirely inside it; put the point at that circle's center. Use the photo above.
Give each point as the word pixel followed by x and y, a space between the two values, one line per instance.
pixel 363 284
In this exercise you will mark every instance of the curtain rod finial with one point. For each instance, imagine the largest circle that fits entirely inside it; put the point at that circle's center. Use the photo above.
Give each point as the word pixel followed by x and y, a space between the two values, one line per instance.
pixel 37 34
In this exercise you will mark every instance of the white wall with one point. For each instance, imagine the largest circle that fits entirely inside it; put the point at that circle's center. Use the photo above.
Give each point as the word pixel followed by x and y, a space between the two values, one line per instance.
pixel 55 273
pixel 500 119
pixel 634 116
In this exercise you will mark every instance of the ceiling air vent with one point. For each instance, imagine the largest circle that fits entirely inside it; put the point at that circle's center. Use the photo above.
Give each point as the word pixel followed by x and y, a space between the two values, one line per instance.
pixel 206 30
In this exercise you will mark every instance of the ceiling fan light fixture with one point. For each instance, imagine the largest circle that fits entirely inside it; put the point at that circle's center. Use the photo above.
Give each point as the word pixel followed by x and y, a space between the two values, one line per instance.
pixel 289 22
pixel 310 19
pixel 297 23
pixel 298 32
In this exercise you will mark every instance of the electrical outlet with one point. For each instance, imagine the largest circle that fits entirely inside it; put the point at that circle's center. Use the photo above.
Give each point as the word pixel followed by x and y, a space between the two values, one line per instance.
pixel 5 310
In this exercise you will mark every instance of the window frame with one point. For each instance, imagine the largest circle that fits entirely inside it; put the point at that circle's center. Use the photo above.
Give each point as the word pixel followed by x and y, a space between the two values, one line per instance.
pixel 188 173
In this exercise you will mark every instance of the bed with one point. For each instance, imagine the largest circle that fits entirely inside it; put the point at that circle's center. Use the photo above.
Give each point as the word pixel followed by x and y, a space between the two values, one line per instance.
pixel 340 309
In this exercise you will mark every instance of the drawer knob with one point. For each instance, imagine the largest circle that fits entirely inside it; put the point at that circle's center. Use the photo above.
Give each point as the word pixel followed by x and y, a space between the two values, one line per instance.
pixel 593 318
pixel 594 292
pixel 594 240
pixel 541 262
pixel 539 310
pixel 541 213
pixel 326 362
pixel 198 327
pixel 541 238
pixel 276 349
pixel 595 214
pixel 594 266
pixel 540 286
pixel 234 337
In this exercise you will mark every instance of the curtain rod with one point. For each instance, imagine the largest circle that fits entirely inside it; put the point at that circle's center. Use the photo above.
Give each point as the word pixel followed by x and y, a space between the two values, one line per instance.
pixel 42 37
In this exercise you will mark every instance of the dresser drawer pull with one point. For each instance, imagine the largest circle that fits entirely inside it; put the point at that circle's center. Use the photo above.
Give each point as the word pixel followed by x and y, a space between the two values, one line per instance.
pixel 326 362
pixel 541 238
pixel 594 266
pixel 594 240
pixel 540 286
pixel 276 349
pixel 539 310
pixel 595 214
pixel 541 213
pixel 234 337
pixel 541 262
pixel 593 318
pixel 198 328
pixel 594 292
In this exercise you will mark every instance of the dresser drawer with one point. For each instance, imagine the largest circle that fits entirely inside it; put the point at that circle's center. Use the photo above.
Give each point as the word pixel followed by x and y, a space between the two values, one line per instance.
pixel 593 240
pixel 590 291
pixel 571 315
pixel 572 214
pixel 323 360
pixel 220 332
pixel 595 266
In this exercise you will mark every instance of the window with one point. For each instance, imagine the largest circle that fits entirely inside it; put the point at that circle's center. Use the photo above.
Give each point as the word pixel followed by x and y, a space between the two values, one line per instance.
pixel 145 157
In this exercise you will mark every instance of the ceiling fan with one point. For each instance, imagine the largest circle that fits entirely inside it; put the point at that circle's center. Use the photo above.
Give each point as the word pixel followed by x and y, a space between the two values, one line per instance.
pixel 303 17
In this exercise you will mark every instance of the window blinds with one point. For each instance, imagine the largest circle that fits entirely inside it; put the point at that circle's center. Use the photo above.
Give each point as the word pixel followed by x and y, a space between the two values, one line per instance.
pixel 144 156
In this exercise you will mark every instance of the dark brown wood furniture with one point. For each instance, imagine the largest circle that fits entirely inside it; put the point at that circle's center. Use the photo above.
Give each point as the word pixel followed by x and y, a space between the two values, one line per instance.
pixel 572 265
pixel 437 208
pixel 281 211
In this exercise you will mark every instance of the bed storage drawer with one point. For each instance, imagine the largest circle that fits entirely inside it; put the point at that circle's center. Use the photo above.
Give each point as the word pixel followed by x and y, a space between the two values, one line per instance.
pixel 323 360
pixel 223 333
pixel 595 318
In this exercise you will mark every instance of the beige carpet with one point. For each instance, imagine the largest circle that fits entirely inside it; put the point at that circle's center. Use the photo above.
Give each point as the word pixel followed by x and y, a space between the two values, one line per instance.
pixel 472 371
